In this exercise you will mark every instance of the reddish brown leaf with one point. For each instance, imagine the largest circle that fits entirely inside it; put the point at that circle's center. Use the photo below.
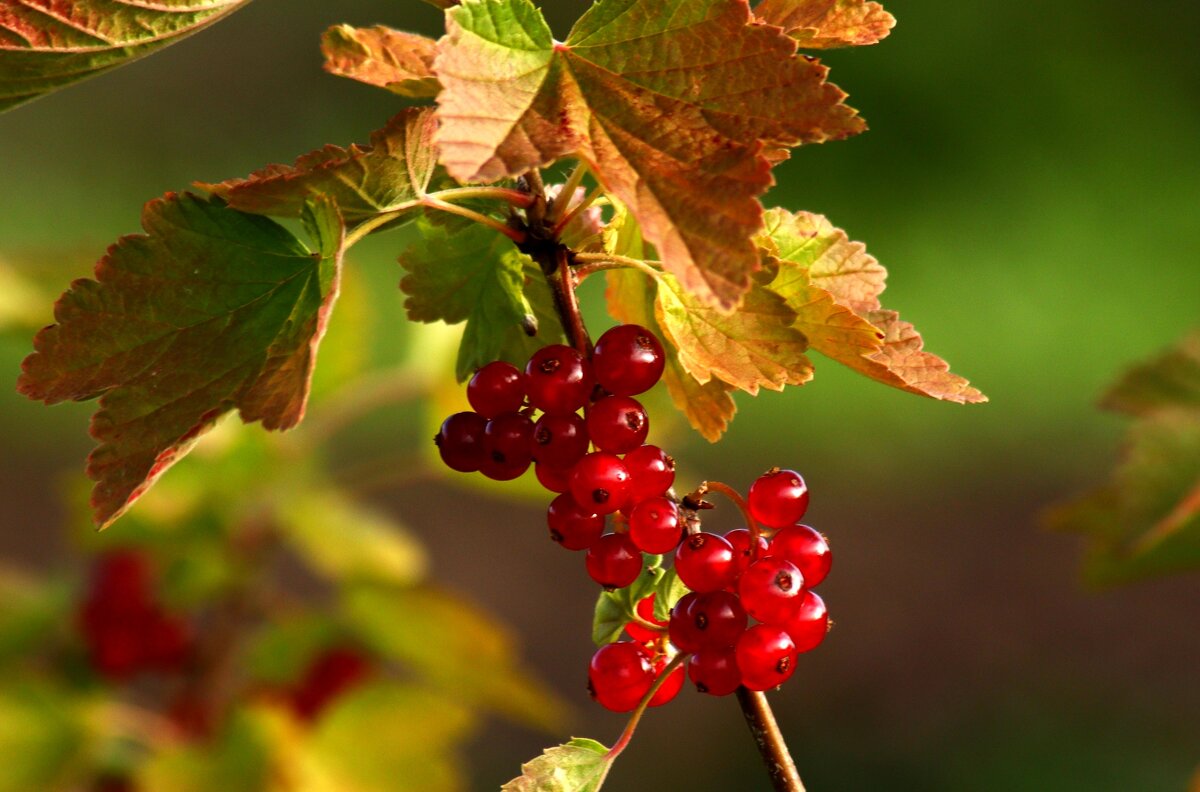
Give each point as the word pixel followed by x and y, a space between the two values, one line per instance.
pixel 392 59
pixel 824 24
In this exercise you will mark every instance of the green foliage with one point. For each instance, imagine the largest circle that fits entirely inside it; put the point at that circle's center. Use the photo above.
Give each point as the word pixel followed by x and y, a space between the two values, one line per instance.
pixel 578 765
pixel 615 609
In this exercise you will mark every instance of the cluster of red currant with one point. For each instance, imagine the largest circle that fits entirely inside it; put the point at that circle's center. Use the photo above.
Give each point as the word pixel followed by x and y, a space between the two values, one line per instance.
pixel 126 631
pixel 599 465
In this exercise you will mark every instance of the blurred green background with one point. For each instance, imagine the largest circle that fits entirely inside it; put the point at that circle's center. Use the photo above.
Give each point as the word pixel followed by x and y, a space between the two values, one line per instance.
pixel 1031 180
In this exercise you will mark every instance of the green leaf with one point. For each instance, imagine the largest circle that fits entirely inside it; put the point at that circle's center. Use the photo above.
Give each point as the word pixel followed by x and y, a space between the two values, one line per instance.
pixel 279 652
pixel 212 310
pixel 708 406
pixel 824 24
pixel 1146 521
pixel 615 609
pixel 392 59
pixel 48 44
pixel 670 104
pixel 667 592
pixel 238 760
pixel 391 173
pixel 43 738
pixel 832 285
pixel 389 737
pixel 578 765
pixel 1169 381
pixel 345 541
pixel 30 611
pixel 452 644
pixel 476 275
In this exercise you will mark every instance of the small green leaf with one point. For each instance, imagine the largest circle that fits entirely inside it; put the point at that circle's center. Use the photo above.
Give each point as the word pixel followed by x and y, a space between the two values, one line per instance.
pixel 213 310
pixel 667 592
pixel 473 274
pixel 47 44
pixel 279 651
pixel 392 59
pixel 391 173
pixel 615 609
pixel 578 765
pixel 1170 381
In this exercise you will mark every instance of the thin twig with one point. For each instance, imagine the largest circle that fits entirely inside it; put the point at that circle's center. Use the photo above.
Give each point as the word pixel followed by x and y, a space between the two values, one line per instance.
pixel 736 497
pixel 598 262
pixel 514 234
pixel 636 717
pixel 768 738
pixel 568 304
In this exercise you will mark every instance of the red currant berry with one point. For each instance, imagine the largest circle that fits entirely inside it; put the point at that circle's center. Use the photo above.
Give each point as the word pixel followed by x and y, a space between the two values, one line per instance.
pixel 719 618
pixel 508 439
pixel 807 549
pixel 680 628
pixel 553 479
pixel 619 675
pixel 645 610
pixel 654 525
pixel 766 656
pixel 600 482
pixel 460 441
pixel 809 624
pixel 571 526
pixel 651 472
pixel 498 387
pixel 614 561
pixel 670 687
pixel 628 360
pixel 559 440
pixel 617 424
pixel 742 557
pixel 715 671
pixel 502 471
pixel 559 379
pixel 771 590
pixel 168 642
pixel 779 498
pixel 331 674
pixel 705 562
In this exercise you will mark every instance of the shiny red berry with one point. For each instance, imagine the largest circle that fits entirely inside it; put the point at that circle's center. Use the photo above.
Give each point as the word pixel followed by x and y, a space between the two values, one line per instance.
pixel 651 472
pixel 718 617
pixel 571 526
pixel 460 441
pixel 614 561
pixel 740 538
pixel 809 623
pixel 619 675
pixel 807 549
pixel 498 387
pixel 628 360
pixel 680 628
pixel 705 562
pixel 559 440
pixel 552 478
pixel 617 424
pixel 670 687
pixel 771 589
pixel 766 656
pixel 654 525
pixel 715 671
pixel 508 439
pixel 559 379
pixel 778 499
pixel 600 482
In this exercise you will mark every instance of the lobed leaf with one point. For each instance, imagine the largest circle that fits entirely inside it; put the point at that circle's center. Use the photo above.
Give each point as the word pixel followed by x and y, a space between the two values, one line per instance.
pixel 471 273
pixel 1169 381
pixel 673 106
pixel 824 24
pixel 48 44
pixel 393 171
pixel 392 59
pixel 578 765
pixel 211 310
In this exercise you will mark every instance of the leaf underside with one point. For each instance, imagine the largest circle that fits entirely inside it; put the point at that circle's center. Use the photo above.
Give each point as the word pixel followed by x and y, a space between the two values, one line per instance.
pixel 211 310
pixel 824 24
pixel 48 44
pixel 578 765
pixel 675 107
pixel 393 59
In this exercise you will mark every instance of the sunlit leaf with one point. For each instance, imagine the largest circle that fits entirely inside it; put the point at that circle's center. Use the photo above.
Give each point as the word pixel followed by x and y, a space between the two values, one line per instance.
pixel 280 651
pixel 476 275
pixel 666 103
pixel 579 765
pixel 615 609
pixel 47 44
pixel 1170 381
pixel 823 24
pixel 212 310
pixel 401 62
pixel 667 591
pixel 453 645
pixel 390 173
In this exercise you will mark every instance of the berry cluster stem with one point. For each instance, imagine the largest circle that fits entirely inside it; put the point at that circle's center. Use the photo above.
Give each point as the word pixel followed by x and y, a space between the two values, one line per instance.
pixel 636 717
pixel 770 742
pixel 740 502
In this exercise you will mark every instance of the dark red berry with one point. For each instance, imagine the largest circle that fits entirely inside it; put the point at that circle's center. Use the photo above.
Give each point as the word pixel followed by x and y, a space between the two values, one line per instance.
pixel 771 589
pixel 809 624
pixel 498 387
pixel 508 439
pixel 628 360
pixel 654 525
pixel 807 549
pixel 331 674
pixel 715 671
pixel 168 642
pixel 558 379
pixel 614 561
pixel 719 618
pixel 619 675
pixel 766 656
pixel 552 478
pixel 651 472
pixel 680 628
pixel 645 610
pixel 502 471
pixel 617 424
pixel 559 440
pixel 600 482
pixel 670 687
pixel 740 539
pixel 705 562
pixel 460 441
pixel 778 499
pixel 571 526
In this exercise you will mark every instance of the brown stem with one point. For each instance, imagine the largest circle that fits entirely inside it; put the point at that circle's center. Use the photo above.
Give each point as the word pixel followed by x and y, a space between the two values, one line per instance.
pixel 768 738
pixel 736 497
